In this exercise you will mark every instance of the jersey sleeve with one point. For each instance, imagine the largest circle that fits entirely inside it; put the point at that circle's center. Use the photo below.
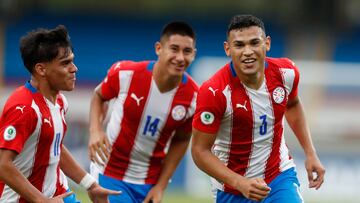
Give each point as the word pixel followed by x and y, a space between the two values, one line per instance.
pixel 187 125
pixel 110 85
pixel 16 125
pixel 210 108
pixel 295 84
pixel 62 101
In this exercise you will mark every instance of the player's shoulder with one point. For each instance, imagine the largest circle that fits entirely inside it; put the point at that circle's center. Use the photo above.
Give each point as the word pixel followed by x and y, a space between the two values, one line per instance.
pixel 130 65
pixel 220 79
pixel 62 101
pixel 280 63
pixel 21 95
pixel 21 99
pixel 190 82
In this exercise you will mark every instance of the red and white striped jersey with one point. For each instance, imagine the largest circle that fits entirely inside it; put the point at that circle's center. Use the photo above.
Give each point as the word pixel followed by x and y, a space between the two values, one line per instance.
pixel 34 128
pixel 143 120
pixel 249 123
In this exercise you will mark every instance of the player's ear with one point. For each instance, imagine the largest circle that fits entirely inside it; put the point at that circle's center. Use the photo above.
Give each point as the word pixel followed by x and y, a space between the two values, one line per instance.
pixel 226 48
pixel 268 43
pixel 157 48
pixel 40 69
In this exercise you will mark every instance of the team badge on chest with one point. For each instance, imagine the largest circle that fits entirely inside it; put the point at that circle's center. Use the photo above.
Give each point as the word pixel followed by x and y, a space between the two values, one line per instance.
pixel 178 112
pixel 279 95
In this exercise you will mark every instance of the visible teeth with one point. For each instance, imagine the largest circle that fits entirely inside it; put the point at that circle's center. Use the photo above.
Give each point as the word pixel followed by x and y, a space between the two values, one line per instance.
pixel 249 60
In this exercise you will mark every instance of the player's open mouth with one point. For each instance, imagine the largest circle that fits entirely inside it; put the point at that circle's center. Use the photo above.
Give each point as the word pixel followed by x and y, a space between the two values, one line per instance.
pixel 179 67
pixel 249 60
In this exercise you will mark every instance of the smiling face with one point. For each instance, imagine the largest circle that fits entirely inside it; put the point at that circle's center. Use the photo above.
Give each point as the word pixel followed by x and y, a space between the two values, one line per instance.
pixel 175 54
pixel 60 73
pixel 247 48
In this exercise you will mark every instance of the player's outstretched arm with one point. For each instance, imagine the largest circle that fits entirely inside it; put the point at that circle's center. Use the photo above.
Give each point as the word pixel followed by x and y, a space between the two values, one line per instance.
pixel 177 149
pixel 295 116
pixel 254 189
pixel 74 171
pixel 99 146
pixel 12 177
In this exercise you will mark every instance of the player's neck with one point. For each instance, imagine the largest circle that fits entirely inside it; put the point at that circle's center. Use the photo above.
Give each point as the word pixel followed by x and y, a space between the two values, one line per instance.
pixel 164 81
pixel 44 89
pixel 252 81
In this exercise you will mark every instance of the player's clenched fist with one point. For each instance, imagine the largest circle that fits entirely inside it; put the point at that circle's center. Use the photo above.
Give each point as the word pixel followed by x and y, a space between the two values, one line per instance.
pixel 253 188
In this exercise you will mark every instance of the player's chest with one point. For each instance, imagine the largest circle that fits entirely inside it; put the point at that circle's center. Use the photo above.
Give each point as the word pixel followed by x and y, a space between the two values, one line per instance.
pixel 154 110
pixel 249 108
pixel 52 126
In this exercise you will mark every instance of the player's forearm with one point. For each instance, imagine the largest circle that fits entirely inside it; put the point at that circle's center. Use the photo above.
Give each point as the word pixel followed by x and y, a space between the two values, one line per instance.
pixel 70 167
pixel 297 121
pixel 96 112
pixel 176 152
pixel 16 181
pixel 210 164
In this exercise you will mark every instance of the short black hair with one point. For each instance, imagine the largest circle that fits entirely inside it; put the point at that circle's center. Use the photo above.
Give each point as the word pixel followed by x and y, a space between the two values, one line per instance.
pixel 42 45
pixel 244 21
pixel 178 27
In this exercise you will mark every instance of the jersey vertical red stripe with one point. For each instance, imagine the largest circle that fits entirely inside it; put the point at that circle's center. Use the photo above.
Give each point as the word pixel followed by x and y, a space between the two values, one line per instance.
pixel 119 158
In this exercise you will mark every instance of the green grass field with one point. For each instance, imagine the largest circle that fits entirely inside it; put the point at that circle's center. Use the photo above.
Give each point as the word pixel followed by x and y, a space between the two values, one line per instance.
pixel 171 197
pixel 180 197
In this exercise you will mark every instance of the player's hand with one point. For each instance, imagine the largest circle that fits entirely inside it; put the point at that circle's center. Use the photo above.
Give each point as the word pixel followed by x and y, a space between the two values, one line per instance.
pixel 253 188
pixel 313 165
pixel 99 194
pixel 155 195
pixel 99 147
pixel 59 198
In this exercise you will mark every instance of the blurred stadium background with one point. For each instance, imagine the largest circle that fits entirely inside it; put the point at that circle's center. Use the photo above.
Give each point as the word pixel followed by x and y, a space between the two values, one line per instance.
pixel 322 37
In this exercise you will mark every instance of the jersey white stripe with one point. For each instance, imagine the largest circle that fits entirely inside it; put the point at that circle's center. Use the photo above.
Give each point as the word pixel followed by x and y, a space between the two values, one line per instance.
pixel 50 179
pixel 114 125
pixel 191 109
pixel 9 195
pixel 263 119
pixel 222 143
pixel 284 154
pixel 288 77
pixel 156 111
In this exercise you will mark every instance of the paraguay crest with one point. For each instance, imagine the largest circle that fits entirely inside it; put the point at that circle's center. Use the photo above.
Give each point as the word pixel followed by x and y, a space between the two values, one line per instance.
pixel 178 112
pixel 279 95
pixel 9 133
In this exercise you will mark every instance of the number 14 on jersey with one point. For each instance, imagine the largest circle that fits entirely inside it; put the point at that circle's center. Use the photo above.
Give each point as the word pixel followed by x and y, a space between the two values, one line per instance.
pixel 151 126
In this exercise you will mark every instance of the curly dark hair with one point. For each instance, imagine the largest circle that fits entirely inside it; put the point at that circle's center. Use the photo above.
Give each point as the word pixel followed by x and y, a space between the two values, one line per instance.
pixel 42 45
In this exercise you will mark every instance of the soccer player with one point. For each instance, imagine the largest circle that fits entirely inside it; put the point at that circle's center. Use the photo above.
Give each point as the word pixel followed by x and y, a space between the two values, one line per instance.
pixel 150 124
pixel 238 123
pixel 33 160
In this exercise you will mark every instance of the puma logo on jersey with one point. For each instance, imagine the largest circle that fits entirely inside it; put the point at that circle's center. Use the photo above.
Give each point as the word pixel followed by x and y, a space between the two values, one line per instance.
pixel 20 108
pixel 136 98
pixel 212 90
pixel 242 106
pixel 47 121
